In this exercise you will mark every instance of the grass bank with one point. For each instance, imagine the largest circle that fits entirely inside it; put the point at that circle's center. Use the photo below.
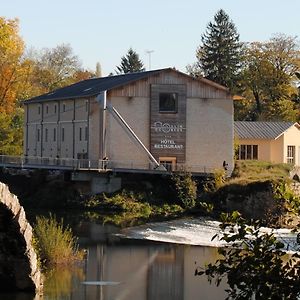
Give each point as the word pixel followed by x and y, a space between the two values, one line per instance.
pixel 258 190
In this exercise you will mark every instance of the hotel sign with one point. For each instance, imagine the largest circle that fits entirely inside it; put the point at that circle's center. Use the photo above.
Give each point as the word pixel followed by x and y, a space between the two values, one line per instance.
pixel 168 129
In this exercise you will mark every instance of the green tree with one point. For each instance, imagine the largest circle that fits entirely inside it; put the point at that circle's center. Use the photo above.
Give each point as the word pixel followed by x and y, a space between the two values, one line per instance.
pixel 256 265
pixel 219 55
pixel 55 67
pixel 268 78
pixel 130 63
pixel 11 132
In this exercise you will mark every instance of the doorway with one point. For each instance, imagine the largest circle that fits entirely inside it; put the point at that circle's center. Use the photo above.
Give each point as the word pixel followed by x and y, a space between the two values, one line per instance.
pixel 168 162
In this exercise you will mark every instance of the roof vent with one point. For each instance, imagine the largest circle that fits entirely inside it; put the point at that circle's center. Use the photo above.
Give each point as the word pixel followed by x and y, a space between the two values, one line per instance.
pixel 87 89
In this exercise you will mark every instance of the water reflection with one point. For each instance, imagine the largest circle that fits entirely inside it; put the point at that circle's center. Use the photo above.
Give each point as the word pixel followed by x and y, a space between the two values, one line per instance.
pixel 62 282
pixel 144 270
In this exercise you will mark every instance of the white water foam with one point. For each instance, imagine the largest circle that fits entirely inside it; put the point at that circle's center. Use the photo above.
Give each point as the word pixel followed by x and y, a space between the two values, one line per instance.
pixel 197 232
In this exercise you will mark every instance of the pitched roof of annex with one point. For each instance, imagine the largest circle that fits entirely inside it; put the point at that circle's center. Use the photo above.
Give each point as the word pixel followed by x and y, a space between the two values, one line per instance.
pixel 92 87
pixel 261 130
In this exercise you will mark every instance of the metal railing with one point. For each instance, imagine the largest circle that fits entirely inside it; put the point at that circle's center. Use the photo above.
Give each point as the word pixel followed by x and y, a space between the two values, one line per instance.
pixel 99 165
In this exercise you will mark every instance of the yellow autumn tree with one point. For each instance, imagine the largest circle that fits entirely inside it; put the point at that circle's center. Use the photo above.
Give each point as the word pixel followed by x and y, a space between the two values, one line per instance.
pixel 11 51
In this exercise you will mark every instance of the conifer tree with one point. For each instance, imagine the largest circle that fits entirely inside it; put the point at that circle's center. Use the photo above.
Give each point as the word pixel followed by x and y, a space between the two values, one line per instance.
pixel 220 53
pixel 130 63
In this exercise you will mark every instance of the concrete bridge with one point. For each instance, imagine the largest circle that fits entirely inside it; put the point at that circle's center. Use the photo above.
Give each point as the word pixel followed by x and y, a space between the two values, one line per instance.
pixel 18 261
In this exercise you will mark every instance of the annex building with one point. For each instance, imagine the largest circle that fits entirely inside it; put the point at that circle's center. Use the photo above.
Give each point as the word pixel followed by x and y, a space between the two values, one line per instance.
pixel 137 121
pixel 277 142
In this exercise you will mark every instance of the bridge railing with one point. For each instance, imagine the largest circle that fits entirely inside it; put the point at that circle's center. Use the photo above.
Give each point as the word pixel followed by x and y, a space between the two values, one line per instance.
pixel 87 164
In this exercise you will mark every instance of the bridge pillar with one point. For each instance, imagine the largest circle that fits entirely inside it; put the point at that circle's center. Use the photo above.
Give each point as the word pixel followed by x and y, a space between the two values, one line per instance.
pixel 98 182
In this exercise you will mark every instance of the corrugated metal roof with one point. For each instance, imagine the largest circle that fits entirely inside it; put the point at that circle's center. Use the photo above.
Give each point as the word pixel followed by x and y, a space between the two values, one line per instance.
pixel 92 87
pixel 260 130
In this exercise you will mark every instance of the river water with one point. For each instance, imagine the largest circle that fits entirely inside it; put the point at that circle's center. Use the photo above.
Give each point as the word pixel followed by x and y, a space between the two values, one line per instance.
pixel 126 269
pixel 151 262
pixel 129 269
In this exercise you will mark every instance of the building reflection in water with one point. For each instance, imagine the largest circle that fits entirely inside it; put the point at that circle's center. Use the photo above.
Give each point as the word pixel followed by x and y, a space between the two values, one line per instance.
pixel 147 271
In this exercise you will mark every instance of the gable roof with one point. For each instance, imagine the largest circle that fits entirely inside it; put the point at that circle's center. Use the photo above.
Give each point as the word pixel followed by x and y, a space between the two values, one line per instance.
pixel 261 130
pixel 92 87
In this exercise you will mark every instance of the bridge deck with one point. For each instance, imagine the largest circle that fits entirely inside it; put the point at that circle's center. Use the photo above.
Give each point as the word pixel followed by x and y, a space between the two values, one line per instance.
pixel 23 162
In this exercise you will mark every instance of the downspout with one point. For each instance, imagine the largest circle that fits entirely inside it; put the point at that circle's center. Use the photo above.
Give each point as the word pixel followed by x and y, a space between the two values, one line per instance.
pixel 42 128
pixel 101 99
pixel 26 143
pixel 74 116
pixel 87 131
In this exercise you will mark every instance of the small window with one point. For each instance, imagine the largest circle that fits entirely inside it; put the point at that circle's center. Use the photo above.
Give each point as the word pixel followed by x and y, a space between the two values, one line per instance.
pixel 168 102
pixel 38 135
pixel 46 135
pixel 291 155
pixel 64 107
pixel 255 151
pixel 86 133
pixel 63 134
pixel 242 152
pixel 39 109
pixel 248 152
pixel 86 106
pixel 47 109
pixel 55 108
pixel 80 133
pixel 54 135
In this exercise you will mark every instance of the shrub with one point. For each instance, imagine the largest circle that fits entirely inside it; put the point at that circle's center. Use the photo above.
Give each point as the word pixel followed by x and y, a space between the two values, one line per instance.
pixel 55 243
pixel 186 189
pixel 256 265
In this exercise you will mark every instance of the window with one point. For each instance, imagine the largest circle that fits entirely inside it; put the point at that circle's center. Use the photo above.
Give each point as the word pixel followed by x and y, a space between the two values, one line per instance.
pixel 86 133
pixel 168 102
pixel 86 106
pixel 80 133
pixel 54 135
pixel 248 152
pixel 62 134
pixel 55 108
pixel 64 107
pixel 47 109
pixel 290 155
pixel 38 135
pixel 46 135
pixel 39 109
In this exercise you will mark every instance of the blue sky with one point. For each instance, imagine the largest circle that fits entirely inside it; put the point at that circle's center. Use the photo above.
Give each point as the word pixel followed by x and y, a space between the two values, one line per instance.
pixel 102 31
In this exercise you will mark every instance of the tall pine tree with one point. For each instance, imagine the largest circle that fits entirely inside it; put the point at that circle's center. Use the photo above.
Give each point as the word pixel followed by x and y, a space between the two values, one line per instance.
pixel 219 55
pixel 130 63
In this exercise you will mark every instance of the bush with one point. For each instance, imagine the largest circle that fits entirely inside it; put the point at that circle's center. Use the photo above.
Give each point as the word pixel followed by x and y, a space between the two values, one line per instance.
pixel 256 265
pixel 186 189
pixel 55 243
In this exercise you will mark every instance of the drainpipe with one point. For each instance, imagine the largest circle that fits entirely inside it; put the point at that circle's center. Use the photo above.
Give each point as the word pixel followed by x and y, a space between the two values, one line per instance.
pixel 101 99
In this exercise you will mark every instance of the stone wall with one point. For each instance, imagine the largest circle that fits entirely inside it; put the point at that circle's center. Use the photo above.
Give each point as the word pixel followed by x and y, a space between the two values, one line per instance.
pixel 18 261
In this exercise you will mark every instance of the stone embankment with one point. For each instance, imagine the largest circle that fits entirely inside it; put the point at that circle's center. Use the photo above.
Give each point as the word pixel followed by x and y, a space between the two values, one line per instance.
pixel 19 268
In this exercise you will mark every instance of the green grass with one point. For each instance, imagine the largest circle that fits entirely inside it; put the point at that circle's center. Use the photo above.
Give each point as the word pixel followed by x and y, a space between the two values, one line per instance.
pixel 55 243
pixel 252 170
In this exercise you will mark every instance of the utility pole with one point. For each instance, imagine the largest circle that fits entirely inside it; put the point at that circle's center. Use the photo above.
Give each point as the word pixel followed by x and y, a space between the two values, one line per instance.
pixel 149 52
